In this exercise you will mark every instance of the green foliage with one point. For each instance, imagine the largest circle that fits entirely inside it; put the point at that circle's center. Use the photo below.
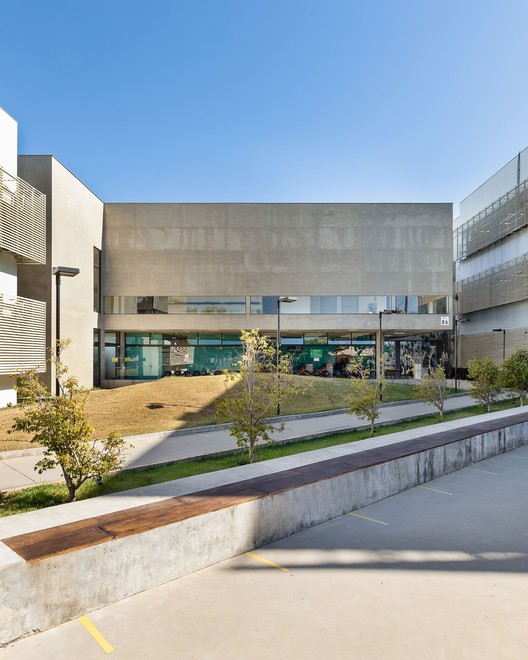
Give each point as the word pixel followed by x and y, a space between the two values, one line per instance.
pixel 60 425
pixel 433 386
pixel 486 379
pixel 365 398
pixel 259 387
pixel 515 374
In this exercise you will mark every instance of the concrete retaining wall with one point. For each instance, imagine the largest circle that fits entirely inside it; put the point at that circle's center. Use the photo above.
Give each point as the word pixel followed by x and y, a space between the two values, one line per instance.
pixel 44 594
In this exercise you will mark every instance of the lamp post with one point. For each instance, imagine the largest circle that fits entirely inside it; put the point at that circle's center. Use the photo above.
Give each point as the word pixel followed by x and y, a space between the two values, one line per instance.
pixel 381 343
pixel 503 341
pixel 280 299
pixel 59 271
pixel 457 320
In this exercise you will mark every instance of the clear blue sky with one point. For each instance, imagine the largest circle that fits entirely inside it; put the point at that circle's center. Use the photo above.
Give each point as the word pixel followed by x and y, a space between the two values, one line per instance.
pixel 269 100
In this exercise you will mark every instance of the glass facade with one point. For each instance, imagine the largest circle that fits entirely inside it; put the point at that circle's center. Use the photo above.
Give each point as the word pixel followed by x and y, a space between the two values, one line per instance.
pixel 175 304
pixel 351 304
pixel 268 304
pixel 147 356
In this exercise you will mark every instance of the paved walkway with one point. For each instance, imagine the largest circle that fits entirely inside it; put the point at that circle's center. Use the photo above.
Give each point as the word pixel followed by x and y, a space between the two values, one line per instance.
pixel 17 468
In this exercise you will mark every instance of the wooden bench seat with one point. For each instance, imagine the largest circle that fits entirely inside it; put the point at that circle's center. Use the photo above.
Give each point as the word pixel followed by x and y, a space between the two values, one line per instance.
pixel 34 546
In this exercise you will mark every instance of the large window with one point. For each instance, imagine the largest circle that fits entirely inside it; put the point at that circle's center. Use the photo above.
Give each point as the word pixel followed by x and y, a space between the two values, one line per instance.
pixel 268 304
pixel 96 280
pixel 175 304
pixel 351 305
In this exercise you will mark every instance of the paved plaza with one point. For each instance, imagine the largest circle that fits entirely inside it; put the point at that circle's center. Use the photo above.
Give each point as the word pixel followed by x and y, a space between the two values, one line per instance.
pixel 436 572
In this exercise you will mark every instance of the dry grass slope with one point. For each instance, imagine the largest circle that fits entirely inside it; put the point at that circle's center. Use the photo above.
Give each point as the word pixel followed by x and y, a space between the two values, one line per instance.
pixel 172 403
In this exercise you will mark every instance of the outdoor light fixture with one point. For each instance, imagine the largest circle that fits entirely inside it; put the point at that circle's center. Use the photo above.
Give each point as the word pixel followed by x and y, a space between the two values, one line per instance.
pixel 381 342
pixel 280 299
pixel 60 271
pixel 503 341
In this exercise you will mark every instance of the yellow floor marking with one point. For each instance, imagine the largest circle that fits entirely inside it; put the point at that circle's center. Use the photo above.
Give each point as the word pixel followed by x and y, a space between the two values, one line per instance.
pixel 266 561
pixel 478 470
pixel 107 648
pixel 435 490
pixel 356 515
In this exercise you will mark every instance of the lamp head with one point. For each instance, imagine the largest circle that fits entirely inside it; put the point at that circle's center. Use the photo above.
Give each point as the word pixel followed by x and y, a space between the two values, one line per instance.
pixel 65 271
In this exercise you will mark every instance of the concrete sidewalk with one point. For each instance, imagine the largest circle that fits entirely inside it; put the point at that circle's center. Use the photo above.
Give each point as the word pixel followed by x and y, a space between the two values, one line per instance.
pixel 17 468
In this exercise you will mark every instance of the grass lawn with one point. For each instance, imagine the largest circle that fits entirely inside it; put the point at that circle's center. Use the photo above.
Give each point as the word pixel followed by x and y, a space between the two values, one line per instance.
pixel 173 403
pixel 38 497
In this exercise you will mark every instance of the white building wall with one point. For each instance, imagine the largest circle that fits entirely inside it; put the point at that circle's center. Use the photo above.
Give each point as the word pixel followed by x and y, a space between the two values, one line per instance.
pixel 8 265
pixel 8 142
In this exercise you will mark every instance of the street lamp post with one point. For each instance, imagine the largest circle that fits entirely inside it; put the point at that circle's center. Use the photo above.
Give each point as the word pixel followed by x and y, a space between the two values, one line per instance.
pixel 59 271
pixel 456 321
pixel 280 299
pixel 381 343
pixel 503 341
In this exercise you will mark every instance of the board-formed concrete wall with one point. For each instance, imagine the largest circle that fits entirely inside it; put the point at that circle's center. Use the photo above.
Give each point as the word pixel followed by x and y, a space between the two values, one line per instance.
pixel 43 594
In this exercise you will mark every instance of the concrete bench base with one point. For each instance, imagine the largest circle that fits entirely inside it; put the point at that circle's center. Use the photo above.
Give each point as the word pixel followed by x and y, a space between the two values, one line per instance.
pixel 40 594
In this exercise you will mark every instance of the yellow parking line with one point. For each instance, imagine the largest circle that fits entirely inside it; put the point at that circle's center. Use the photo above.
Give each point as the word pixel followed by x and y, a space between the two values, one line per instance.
pixel 435 490
pixel 356 515
pixel 267 561
pixel 107 648
pixel 478 470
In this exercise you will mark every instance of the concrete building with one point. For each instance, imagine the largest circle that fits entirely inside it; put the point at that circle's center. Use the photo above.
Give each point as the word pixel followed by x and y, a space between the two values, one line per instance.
pixel 167 288
pixel 491 265
pixel 22 241
pixel 181 280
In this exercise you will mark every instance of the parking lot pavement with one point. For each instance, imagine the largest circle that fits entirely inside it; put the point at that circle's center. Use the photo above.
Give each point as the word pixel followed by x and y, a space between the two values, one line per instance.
pixel 436 572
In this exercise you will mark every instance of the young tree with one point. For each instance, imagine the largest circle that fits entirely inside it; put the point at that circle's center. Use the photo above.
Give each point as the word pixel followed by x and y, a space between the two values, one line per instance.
pixel 257 392
pixel 60 425
pixel 433 385
pixel 485 378
pixel 365 398
pixel 515 374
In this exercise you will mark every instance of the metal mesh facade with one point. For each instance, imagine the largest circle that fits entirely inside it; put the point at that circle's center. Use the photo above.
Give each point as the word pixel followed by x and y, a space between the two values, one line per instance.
pixel 489 344
pixel 506 215
pixel 507 283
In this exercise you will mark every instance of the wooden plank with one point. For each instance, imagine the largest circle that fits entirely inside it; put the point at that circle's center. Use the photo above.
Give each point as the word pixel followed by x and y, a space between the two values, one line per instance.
pixel 34 546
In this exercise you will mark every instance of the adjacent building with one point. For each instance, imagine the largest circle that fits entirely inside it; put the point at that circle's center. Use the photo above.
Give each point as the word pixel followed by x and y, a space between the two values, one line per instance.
pixel 491 265
pixel 22 245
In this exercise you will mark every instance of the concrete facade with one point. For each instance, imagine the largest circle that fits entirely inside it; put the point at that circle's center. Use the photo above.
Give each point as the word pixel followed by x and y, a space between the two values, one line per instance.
pixel 385 251
pixel 74 222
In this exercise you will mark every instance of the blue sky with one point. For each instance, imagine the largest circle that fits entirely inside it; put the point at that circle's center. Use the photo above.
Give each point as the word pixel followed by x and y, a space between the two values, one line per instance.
pixel 291 100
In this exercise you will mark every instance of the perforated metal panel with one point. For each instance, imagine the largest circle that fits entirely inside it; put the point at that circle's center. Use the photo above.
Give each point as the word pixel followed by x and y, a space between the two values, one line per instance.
pixel 496 286
pixel 505 216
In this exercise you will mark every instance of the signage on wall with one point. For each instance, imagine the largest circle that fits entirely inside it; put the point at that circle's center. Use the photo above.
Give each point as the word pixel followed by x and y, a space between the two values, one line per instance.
pixel 444 320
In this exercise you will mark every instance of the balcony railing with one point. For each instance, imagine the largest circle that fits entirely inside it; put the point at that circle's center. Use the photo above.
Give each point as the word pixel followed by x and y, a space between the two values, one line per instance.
pixel 22 334
pixel 506 215
pixel 22 219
